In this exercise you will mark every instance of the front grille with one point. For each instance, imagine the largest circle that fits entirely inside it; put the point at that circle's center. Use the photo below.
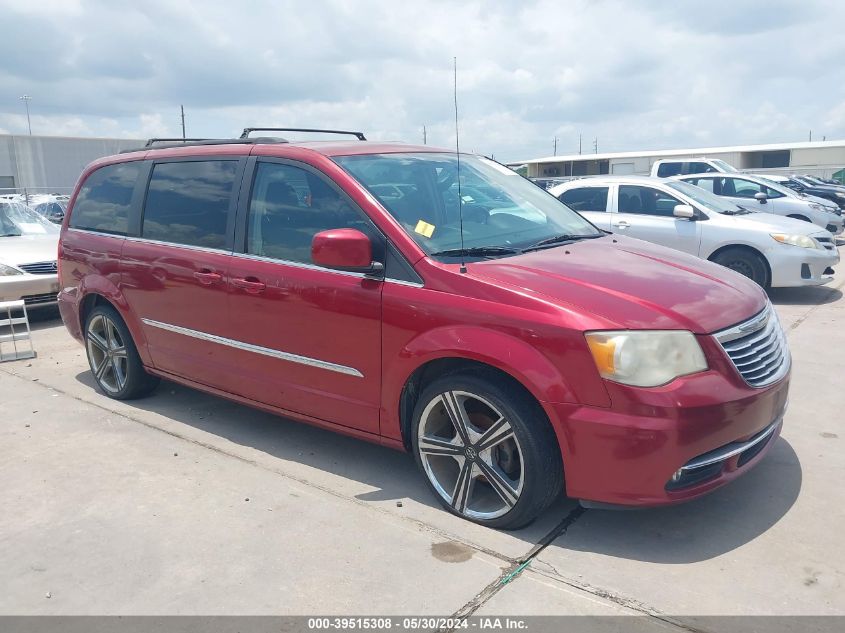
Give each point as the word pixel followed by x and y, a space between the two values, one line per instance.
pixel 34 300
pixel 39 268
pixel 757 348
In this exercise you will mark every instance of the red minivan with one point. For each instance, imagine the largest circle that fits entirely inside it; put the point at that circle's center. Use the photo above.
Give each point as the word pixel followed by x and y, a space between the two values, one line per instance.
pixel 432 302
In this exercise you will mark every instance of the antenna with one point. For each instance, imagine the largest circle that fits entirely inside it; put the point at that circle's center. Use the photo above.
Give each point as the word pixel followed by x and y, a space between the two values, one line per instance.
pixel 463 268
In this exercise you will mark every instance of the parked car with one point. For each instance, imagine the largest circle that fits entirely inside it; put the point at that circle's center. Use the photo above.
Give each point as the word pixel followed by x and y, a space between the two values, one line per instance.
pixel 829 193
pixel 52 209
pixel 770 250
pixel 28 245
pixel 516 350
pixel 666 167
pixel 765 196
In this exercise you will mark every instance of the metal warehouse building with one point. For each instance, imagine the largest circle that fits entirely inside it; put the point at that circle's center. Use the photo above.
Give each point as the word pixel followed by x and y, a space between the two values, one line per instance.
pixel 51 162
pixel 821 158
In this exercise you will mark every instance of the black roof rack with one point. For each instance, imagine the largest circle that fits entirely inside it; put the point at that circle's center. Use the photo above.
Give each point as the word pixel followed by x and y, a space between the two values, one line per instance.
pixel 193 142
pixel 359 135
pixel 153 141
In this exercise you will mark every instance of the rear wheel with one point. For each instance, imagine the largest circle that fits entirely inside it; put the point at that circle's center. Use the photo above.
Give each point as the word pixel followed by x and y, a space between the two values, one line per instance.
pixel 745 262
pixel 113 357
pixel 487 450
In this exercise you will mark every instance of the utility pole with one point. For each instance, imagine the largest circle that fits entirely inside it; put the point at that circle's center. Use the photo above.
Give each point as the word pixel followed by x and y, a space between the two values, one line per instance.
pixel 595 145
pixel 579 143
pixel 555 146
pixel 183 121
pixel 26 99
pixel 425 136
pixel 811 135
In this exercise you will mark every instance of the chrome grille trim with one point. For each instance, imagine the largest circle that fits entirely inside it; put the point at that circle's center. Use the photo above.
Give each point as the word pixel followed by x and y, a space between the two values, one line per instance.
pixel 40 268
pixel 758 348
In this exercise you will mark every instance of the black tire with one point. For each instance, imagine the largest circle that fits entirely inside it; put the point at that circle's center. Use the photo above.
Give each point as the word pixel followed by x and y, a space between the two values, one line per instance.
pixel 800 217
pixel 745 262
pixel 531 453
pixel 113 357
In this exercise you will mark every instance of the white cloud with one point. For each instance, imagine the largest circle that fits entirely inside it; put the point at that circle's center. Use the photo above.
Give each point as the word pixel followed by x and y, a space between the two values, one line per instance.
pixel 634 75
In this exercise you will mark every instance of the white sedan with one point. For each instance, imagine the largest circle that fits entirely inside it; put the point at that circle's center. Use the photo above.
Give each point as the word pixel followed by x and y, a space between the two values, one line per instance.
pixel 28 250
pixel 772 250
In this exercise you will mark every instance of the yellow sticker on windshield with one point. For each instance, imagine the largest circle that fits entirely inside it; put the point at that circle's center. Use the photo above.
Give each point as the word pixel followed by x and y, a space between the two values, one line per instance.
pixel 424 228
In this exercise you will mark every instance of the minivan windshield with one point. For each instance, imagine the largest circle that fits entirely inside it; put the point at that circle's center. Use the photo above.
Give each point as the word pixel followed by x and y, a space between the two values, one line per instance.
pixel 706 199
pixel 17 219
pixel 502 213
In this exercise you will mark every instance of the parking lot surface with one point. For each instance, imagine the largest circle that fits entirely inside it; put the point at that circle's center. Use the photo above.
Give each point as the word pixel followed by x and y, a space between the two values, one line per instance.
pixel 184 503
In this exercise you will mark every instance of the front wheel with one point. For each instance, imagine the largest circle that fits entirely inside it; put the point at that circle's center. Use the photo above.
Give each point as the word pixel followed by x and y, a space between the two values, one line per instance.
pixel 487 450
pixel 745 262
pixel 113 357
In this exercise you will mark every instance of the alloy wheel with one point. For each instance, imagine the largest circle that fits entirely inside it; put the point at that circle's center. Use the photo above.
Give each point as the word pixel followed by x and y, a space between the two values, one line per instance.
pixel 107 353
pixel 471 455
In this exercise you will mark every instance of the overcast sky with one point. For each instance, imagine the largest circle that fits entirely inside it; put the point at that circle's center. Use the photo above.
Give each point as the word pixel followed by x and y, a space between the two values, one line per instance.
pixel 636 75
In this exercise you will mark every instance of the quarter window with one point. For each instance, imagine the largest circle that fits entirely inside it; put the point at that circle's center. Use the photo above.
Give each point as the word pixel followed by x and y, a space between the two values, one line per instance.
pixel 104 199
pixel 585 199
pixel 188 202
pixel 290 205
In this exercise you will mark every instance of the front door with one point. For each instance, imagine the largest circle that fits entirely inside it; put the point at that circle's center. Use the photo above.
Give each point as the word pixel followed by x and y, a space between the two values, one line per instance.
pixel 175 275
pixel 311 337
pixel 647 213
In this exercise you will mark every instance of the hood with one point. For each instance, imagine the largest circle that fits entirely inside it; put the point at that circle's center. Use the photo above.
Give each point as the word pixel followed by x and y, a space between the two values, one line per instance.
pixel 771 223
pixel 28 249
pixel 631 283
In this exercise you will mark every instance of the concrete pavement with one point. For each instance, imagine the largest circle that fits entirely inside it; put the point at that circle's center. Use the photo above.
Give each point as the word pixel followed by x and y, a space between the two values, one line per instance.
pixel 141 508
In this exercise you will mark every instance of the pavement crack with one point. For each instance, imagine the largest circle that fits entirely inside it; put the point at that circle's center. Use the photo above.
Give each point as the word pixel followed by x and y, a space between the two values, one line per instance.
pixel 512 571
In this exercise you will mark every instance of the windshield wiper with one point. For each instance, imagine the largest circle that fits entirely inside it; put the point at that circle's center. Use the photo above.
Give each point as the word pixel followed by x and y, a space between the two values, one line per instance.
pixel 10 235
pixel 557 240
pixel 738 211
pixel 476 251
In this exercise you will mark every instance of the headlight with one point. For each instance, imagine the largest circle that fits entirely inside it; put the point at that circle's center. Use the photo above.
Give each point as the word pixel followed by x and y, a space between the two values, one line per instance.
pixel 803 241
pixel 7 271
pixel 645 358
pixel 816 206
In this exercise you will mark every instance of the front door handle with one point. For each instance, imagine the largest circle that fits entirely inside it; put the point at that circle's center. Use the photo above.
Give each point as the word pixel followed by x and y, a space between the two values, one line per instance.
pixel 250 284
pixel 622 224
pixel 207 278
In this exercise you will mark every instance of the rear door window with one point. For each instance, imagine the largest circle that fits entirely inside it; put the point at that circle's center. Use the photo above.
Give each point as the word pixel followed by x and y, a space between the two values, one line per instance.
pixel 188 202
pixel 699 168
pixel 103 202
pixel 585 199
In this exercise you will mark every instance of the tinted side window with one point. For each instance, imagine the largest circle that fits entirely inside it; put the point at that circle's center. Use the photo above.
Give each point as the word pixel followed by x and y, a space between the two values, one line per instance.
pixel 646 201
pixel 586 199
pixel 746 188
pixel 699 168
pixel 188 202
pixel 288 206
pixel 669 169
pixel 104 199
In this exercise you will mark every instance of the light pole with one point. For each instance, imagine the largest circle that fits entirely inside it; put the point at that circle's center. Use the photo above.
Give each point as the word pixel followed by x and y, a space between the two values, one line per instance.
pixel 26 99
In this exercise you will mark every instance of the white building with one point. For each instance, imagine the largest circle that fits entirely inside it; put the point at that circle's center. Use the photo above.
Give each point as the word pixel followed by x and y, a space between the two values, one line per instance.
pixel 821 158
pixel 40 163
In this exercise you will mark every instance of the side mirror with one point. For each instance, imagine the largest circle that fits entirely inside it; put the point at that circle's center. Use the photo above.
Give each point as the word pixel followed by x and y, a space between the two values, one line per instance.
pixel 345 249
pixel 761 197
pixel 684 211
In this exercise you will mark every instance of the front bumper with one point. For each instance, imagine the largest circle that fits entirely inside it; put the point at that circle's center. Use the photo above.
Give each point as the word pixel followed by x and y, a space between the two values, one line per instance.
pixel 35 290
pixel 794 266
pixel 627 455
